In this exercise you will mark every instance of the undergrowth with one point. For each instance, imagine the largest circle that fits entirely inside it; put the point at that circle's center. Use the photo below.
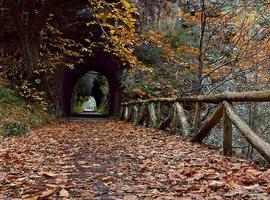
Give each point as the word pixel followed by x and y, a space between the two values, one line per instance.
pixel 16 116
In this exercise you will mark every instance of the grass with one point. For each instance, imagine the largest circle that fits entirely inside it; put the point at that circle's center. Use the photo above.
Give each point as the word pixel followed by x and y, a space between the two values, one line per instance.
pixel 16 116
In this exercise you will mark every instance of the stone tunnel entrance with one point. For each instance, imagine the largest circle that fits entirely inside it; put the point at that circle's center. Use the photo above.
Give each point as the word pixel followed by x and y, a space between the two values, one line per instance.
pixel 103 65
pixel 90 95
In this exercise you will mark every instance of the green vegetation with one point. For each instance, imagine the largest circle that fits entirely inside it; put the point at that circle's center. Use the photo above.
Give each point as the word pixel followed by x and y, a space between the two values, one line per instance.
pixel 103 109
pixel 16 128
pixel 77 109
pixel 16 116
pixel 91 85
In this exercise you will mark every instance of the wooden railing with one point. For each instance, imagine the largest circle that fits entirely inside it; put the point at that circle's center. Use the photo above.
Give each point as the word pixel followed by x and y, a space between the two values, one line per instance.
pixel 149 112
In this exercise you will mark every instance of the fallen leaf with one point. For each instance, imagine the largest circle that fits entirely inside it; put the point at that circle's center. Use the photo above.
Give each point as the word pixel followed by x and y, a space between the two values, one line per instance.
pixel 32 198
pixel 131 197
pixel 232 193
pixel 216 185
pixel 82 162
pixel 48 174
pixel 254 172
pixel 47 193
pixel 64 193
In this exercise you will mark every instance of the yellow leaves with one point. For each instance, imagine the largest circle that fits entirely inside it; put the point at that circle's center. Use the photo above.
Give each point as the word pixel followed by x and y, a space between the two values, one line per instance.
pixel 115 38
pixel 252 16
pixel 112 32
pixel 188 50
pixel 181 13
pixel 70 66
pixel 117 22
pixel 56 50
pixel 91 23
pixel 126 4
pixel 30 92
pixel 87 40
pixel 207 70
pixel 196 52
pixel 187 17
pixel 194 67
pixel 141 93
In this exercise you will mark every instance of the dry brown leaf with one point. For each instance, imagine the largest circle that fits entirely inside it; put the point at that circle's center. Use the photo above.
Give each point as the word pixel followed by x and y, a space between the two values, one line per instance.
pixel 198 176
pixel 48 174
pixel 82 162
pixel 32 198
pixel 184 198
pixel 193 188
pixel 233 193
pixel 48 193
pixel 131 197
pixel 121 158
pixel 254 172
pixel 267 189
pixel 64 193
pixel 216 185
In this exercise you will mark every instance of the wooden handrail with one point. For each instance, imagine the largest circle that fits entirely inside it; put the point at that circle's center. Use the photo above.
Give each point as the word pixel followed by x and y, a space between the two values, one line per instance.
pixel 225 110
pixel 209 125
pixel 261 146
pixel 255 96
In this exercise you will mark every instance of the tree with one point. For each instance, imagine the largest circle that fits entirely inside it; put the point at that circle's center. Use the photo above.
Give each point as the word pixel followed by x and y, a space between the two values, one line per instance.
pixel 53 35
pixel 30 18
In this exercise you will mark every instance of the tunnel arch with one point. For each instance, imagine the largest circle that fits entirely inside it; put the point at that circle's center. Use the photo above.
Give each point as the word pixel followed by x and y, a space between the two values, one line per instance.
pixel 102 64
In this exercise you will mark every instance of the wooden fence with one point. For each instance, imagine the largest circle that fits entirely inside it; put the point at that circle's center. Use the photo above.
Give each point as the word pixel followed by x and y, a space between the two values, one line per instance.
pixel 145 112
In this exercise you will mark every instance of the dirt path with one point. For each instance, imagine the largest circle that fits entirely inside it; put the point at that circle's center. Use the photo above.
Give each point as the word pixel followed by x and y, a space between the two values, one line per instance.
pixel 113 160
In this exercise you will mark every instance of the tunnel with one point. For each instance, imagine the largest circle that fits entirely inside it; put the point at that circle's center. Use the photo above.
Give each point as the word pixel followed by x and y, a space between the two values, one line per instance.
pixel 104 65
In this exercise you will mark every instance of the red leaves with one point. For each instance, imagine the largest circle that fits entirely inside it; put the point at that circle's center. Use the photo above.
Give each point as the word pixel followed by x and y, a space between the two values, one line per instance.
pixel 111 159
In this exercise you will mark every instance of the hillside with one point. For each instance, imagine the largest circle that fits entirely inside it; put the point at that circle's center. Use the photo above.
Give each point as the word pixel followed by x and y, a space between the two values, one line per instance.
pixel 16 116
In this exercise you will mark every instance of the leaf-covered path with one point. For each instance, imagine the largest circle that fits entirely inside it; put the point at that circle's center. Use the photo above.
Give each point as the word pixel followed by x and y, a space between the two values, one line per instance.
pixel 113 160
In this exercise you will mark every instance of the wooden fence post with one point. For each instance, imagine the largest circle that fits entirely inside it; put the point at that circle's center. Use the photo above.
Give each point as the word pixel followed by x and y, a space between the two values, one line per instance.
pixel 227 134
pixel 197 116
pixel 209 124
pixel 159 111
pixel 174 121
pixel 126 113
pixel 166 122
pixel 142 116
pixel 261 146
pixel 183 119
pixel 152 113
pixel 135 114
pixel 129 113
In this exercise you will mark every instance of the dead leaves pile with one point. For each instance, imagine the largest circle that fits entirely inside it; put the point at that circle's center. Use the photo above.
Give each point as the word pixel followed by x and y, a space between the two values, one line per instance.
pixel 113 160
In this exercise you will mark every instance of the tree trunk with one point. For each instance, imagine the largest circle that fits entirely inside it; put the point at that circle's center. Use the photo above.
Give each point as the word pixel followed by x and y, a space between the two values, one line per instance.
pixel 30 48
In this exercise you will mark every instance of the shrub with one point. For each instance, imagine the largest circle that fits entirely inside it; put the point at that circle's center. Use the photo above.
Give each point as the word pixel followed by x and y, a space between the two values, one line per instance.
pixel 16 128
pixel 14 109
pixel 9 96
